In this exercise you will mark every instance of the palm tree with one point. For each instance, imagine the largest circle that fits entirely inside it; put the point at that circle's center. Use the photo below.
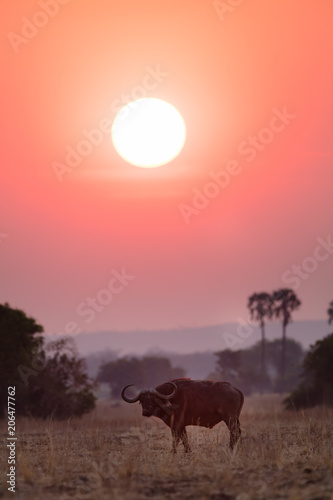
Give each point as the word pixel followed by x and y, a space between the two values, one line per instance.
pixel 285 302
pixel 330 312
pixel 261 306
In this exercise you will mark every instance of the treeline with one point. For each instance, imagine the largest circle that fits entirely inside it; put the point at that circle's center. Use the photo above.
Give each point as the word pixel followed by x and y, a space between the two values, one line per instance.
pixel 149 371
pixel 243 368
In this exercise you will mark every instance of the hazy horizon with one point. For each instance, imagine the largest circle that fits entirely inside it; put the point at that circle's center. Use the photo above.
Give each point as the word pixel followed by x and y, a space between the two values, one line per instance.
pixel 193 340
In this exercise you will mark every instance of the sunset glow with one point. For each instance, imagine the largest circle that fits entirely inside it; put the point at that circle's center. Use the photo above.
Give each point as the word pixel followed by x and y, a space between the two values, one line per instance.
pixel 234 207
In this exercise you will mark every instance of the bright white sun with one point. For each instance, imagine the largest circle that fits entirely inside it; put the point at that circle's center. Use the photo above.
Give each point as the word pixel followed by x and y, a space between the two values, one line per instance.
pixel 148 133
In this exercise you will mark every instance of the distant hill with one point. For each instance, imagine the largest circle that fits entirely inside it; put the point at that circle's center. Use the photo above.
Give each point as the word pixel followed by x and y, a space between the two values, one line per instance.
pixel 193 340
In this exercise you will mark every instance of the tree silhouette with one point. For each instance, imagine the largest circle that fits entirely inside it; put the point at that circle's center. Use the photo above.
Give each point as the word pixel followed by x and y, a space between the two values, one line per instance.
pixel 330 312
pixel 285 302
pixel 242 368
pixel 294 358
pixel 146 372
pixel 18 346
pixel 317 385
pixel 49 380
pixel 261 306
pixel 62 389
pixel 228 365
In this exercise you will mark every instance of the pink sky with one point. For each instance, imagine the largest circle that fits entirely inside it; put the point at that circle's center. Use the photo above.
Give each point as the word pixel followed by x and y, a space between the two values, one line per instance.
pixel 254 86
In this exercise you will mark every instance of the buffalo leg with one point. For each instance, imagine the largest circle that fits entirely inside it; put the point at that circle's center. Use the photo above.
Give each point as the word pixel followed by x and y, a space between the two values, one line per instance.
pixel 184 439
pixel 175 441
pixel 235 431
pixel 178 435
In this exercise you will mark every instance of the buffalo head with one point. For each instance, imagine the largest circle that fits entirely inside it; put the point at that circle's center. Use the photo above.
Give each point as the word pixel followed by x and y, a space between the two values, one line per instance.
pixel 151 399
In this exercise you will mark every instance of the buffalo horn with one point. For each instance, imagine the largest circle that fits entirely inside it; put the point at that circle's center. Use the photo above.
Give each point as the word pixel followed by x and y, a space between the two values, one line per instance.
pixel 166 396
pixel 125 398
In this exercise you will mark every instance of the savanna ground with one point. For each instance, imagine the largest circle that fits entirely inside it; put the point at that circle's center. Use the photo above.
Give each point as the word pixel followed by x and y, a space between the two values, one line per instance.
pixel 114 453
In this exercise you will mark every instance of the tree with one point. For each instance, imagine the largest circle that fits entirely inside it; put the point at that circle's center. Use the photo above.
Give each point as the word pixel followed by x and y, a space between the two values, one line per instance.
pixel 238 368
pixel 228 365
pixel 317 384
pixel 242 368
pixel 18 347
pixel 121 372
pixel 146 372
pixel 294 358
pixel 48 380
pixel 158 369
pixel 62 389
pixel 261 306
pixel 285 302
pixel 330 312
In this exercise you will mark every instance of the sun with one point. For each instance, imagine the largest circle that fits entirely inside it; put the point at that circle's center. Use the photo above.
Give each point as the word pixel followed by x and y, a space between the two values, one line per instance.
pixel 148 133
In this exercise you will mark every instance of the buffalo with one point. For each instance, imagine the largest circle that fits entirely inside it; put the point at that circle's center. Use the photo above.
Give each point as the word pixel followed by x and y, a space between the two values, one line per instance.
pixel 183 402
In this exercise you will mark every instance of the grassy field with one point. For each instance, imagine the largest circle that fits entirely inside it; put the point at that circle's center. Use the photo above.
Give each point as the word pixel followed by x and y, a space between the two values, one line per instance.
pixel 114 453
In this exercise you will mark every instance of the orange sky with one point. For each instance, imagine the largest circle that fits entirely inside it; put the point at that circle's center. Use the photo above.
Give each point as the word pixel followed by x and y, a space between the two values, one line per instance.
pixel 253 83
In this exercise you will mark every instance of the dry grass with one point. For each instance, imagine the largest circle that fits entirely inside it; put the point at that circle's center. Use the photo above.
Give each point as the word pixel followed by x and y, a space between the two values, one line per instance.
pixel 117 454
